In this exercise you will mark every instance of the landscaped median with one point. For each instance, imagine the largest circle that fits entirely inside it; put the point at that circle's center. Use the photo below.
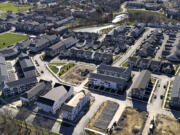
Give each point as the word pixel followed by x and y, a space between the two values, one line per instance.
pixel 60 68
pixel 167 95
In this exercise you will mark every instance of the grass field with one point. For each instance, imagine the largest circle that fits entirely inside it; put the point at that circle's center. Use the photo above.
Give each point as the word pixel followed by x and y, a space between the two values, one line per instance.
pixel 10 38
pixel 14 7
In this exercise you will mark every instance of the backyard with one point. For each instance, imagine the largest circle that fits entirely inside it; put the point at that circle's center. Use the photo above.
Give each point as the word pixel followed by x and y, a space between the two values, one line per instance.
pixel 7 39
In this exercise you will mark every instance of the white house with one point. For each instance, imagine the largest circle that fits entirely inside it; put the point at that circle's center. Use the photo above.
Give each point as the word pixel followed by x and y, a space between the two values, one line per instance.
pixel 73 108
pixel 53 100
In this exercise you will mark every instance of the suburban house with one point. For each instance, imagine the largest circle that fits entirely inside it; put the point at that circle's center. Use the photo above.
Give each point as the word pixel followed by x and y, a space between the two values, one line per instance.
pixel 60 46
pixel 31 95
pixel 3 70
pixel 138 30
pixel 72 109
pixel 119 72
pixel 19 86
pixel 144 64
pixel 27 65
pixel 155 66
pixel 107 81
pixel 54 99
pixel 4 27
pixel 42 42
pixel 167 68
pixel 133 62
pixel 135 4
pixel 141 84
pixel 10 52
pixel 175 96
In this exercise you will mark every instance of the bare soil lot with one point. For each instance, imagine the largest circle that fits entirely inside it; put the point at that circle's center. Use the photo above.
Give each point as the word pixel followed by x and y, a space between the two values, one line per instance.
pixel 131 122
pixel 74 76
pixel 166 126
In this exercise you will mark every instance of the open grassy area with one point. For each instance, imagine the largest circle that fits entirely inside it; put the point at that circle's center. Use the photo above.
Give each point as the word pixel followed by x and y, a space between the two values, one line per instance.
pixel 7 39
pixel 14 7
pixel 11 126
pixel 144 11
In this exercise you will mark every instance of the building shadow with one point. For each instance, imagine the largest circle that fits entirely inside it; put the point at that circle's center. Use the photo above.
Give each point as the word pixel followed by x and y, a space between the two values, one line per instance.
pixel 23 114
pixel 139 105
pixel 66 129
pixel 175 112
pixel 44 121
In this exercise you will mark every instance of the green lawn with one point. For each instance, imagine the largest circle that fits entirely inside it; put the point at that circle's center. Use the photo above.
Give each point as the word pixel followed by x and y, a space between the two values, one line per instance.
pixel 10 38
pixel 66 68
pixel 14 7
pixel 53 68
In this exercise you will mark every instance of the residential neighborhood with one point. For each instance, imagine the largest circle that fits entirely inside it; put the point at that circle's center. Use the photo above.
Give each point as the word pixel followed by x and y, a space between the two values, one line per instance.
pixel 75 67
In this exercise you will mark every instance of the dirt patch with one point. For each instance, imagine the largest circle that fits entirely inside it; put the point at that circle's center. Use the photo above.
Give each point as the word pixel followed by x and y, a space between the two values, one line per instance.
pixel 166 126
pixel 131 122
pixel 74 76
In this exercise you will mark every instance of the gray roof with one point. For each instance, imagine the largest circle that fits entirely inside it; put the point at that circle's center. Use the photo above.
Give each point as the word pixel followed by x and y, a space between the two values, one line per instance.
pixel 42 86
pixel 107 78
pixel 27 65
pixel 3 70
pixel 142 80
pixel 22 81
pixel 111 68
pixel 176 88
pixel 56 93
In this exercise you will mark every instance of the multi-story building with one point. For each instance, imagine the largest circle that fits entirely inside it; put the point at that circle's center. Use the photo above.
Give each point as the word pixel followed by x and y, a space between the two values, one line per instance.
pixel 43 42
pixel 3 70
pixel 73 108
pixel 27 65
pixel 119 72
pixel 175 96
pixel 107 81
pixel 53 100
pixel 60 46
pixel 19 86
pixel 141 84
pixel 31 95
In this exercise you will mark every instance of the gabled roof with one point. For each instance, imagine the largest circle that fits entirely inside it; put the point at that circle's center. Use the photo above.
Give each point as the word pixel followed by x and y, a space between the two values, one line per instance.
pixel 107 78
pixel 54 95
pixel 42 86
pixel 142 80
pixel 176 88
pixel 22 82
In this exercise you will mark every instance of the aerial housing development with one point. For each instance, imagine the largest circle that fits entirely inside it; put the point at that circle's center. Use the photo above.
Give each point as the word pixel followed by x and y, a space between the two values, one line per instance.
pixel 90 67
